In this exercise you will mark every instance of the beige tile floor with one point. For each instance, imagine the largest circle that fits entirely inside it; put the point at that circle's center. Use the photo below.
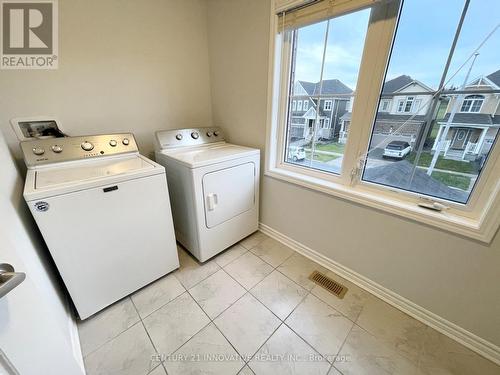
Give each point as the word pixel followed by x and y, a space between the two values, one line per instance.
pixel 253 310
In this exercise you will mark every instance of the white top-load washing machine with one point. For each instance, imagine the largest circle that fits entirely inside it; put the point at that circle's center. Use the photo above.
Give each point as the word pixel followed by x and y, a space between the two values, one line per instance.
pixel 104 212
pixel 214 188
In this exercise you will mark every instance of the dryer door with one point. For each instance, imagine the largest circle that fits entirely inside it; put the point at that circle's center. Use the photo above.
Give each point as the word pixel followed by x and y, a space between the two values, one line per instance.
pixel 228 193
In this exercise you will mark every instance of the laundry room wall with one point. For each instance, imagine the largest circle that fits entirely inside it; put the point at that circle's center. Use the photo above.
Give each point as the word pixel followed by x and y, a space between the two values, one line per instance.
pixel 124 65
pixel 451 276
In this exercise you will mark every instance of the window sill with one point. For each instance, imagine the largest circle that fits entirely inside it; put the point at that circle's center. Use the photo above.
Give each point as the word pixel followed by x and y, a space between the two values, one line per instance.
pixel 480 230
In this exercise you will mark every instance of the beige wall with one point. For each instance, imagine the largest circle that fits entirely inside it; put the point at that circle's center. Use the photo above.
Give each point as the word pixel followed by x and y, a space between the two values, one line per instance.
pixel 124 66
pixel 451 276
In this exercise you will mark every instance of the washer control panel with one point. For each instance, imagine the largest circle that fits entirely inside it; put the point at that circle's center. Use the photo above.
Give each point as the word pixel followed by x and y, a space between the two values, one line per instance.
pixel 188 137
pixel 55 150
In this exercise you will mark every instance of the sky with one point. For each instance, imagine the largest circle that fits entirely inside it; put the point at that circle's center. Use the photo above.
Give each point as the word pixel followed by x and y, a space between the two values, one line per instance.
pixel 423 40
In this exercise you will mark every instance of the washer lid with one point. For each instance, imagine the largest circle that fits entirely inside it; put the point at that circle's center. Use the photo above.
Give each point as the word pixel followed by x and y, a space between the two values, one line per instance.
pixel 94 170
pixel 206 155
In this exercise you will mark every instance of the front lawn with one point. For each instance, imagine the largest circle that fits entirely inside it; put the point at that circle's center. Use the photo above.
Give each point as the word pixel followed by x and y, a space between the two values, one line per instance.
pixel 331 147
pixel 452 180
pixel 442 163
pixel 321 157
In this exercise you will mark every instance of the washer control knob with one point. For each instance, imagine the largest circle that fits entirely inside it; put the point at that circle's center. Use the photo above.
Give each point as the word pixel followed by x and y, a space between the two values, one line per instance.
pixel 57 149
pixel 178 136
pixel 87 146
pixel 209 134
pixel 38 151
pixel 216 133
pixel 126 141
pixel 113 143
pixel 195 135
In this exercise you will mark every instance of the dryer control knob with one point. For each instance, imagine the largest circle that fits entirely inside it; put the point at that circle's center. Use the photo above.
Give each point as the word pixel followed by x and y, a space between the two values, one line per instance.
pixel 209 134
pixel 87 146
pixel 178 136
pixel 113 143
pixel 38 151
pixel 126 141
pixel 216 133
pixel 57 149
pixel 195 135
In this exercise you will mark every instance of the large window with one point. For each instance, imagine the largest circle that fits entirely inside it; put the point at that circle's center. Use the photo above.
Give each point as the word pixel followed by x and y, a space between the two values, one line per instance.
pixel 404 107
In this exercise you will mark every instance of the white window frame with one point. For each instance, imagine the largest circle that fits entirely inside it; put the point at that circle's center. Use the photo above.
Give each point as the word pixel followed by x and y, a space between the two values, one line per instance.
pixel 299 105
pixel 294 105
pixel 417 103
pixel 401 106
pixel 385 105
pixel 330 104
pixel 469 98
pixel 348 106
pixel 327 123
pixel 305 106
pixel 479 219
pixel 409 100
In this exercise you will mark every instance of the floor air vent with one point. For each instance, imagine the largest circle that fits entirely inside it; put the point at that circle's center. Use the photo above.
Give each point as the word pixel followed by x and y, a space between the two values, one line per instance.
pixel 329 284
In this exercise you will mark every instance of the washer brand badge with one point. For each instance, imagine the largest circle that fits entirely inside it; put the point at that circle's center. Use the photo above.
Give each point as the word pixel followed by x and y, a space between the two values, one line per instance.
pixel 28 34
pixel 42 206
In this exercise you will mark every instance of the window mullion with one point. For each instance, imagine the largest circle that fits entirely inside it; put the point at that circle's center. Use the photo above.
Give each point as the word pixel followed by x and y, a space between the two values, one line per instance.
pixel 381 29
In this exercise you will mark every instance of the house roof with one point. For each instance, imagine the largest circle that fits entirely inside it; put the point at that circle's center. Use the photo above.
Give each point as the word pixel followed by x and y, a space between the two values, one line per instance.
pixel 399 83
pixel 311 113
pixel 330 86
pixel 398 174
pixel 396 84
pixel 473 118
pixel 494 77
pixel 308 86
pixel 492 80
pixel 346 116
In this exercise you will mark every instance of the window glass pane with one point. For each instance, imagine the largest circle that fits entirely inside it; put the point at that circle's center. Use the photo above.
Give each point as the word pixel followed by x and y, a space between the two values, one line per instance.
pixel 438 144
pixel 317 134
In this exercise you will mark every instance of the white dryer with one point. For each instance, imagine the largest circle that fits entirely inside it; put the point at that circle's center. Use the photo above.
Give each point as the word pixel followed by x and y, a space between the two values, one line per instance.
pixel 214 188
pixel 104 212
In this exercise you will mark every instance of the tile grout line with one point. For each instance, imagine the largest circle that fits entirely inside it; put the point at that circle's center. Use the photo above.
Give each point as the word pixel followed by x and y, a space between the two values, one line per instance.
pixel 159 308
pixel 150 339
pixel 341 347
pixel 118 334
pixel 238 257
pixel 212 321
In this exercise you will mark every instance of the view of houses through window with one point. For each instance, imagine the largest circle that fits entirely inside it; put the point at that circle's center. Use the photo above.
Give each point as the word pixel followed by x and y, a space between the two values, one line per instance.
pixel 439 110
pixel 317 130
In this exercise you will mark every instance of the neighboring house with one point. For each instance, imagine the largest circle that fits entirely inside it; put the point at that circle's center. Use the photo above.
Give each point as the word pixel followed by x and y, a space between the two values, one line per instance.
pixel 404 100
pixel 333 103
pixel 476 122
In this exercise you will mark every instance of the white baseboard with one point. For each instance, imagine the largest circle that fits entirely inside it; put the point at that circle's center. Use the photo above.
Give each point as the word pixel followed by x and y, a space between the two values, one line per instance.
pixel 459 334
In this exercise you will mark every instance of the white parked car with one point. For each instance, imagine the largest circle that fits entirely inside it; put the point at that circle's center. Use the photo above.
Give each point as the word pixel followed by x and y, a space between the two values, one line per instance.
pixel 397 149
pixel 296 153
